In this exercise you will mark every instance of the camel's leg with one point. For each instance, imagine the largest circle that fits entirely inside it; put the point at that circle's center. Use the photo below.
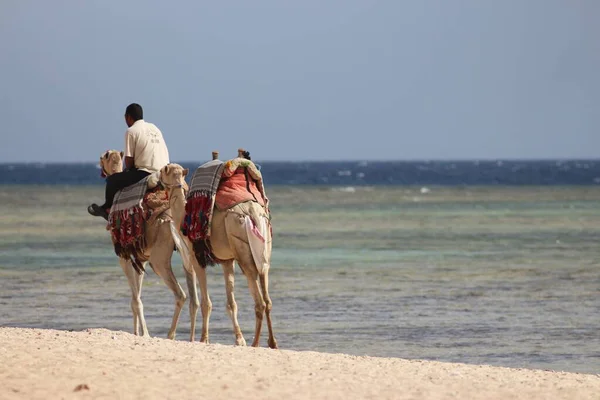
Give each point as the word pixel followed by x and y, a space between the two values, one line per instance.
pixel 259 304
pixel 135 284
pixel 205 305
pixel 231 304
pixel 161 264
pixel 237 235
pixel 190 278
pixel 167 275
pixel 264 284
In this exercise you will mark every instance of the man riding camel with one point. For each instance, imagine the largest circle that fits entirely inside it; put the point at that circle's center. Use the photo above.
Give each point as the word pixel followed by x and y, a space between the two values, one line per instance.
pixel 145 152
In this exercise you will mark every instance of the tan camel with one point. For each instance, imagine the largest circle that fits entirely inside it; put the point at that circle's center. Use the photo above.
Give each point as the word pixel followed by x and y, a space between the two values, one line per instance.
pixel 111 162
pixel 231 241
pixel 161 238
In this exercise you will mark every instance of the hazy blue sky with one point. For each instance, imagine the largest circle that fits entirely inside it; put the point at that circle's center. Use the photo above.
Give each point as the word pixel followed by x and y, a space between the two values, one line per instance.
pixel 303 80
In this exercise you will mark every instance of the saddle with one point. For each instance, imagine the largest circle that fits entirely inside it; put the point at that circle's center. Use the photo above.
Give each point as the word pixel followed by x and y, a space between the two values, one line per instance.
pixel 222 185
pixel 133 208
pixel 241 181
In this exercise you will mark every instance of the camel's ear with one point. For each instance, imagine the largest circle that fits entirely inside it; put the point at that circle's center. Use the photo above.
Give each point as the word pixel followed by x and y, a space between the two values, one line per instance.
pixel 167 168
pixel 185 172
pixel 102 173
pixel 122 154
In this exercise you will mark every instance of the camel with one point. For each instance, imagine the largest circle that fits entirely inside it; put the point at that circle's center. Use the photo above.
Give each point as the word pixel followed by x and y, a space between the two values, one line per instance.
pixel 111 162
pixel 161 238
pixel 230 242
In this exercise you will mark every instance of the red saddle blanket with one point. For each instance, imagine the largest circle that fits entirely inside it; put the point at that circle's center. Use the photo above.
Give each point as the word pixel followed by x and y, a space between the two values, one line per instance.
pixel 237 189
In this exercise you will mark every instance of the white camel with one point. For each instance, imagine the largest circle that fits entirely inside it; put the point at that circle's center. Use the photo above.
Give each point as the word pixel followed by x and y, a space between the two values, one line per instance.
pixel 160 238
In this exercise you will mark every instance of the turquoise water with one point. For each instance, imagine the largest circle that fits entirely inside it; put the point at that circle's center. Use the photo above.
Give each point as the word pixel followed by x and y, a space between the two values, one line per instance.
pixel 497 275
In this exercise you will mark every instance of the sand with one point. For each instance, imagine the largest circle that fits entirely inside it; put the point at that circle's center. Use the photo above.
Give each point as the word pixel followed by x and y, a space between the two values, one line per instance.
pixel 103 364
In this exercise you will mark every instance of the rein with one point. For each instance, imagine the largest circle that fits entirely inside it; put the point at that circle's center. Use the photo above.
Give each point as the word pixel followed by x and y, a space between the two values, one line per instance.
pixel 170 197
pixel 170 187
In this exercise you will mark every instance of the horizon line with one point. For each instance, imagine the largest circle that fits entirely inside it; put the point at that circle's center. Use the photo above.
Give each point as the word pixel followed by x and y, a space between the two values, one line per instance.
pixel 365 160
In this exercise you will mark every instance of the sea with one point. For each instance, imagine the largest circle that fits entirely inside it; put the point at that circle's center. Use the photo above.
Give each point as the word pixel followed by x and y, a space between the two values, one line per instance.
pixel 481 262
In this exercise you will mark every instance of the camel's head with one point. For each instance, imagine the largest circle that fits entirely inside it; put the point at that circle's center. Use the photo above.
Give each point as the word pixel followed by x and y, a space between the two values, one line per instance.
pixel 173 176
pixel 111 162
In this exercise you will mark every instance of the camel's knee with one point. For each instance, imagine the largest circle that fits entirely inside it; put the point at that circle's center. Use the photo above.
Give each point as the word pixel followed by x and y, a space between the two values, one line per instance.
pixel 136 305
pixel 231 308
pixel 206 307
pixel 180 298
pixel 195 303
pixel 259 309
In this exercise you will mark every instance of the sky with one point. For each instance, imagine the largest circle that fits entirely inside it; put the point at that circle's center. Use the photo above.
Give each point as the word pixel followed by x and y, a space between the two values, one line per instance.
pixel 303 80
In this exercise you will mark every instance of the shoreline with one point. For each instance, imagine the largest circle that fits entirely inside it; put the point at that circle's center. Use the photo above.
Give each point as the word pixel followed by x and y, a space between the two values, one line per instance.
pixel 99 363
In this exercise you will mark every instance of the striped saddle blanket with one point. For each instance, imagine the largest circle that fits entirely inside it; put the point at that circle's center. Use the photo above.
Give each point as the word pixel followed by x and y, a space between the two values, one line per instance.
pixel 132 208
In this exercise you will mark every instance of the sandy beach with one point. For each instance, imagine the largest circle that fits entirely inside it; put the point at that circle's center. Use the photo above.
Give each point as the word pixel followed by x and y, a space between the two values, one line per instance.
pixel 103 364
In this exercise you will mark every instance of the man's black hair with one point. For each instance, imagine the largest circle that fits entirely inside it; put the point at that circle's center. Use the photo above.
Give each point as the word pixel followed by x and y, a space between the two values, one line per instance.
pixel 135 111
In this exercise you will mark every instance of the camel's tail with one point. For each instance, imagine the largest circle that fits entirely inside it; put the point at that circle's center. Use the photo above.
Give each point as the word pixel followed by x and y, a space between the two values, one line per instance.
pixel 257 229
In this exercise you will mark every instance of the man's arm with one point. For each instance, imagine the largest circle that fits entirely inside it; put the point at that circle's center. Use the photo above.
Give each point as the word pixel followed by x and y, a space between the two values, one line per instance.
pixel 129 163
pixel 129 149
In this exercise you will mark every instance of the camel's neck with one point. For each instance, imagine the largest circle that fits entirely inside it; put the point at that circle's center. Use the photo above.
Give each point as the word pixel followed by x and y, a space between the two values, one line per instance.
pixel 177 205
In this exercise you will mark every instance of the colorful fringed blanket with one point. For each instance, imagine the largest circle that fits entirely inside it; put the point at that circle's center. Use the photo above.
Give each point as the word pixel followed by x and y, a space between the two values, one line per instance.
pixel 126 221
pixel 199 208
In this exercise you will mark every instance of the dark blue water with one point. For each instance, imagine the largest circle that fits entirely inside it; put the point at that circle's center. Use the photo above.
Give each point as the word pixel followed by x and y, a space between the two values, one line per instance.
pixel 353 173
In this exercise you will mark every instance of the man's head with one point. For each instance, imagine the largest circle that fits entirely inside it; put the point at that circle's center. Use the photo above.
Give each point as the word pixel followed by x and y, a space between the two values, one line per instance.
pixel 133 112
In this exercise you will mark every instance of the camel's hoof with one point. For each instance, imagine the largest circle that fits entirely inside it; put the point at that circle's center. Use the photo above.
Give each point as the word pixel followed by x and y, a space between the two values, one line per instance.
pixel 240 342
pixel 204 340
pixel 273 344
pixel 171 336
